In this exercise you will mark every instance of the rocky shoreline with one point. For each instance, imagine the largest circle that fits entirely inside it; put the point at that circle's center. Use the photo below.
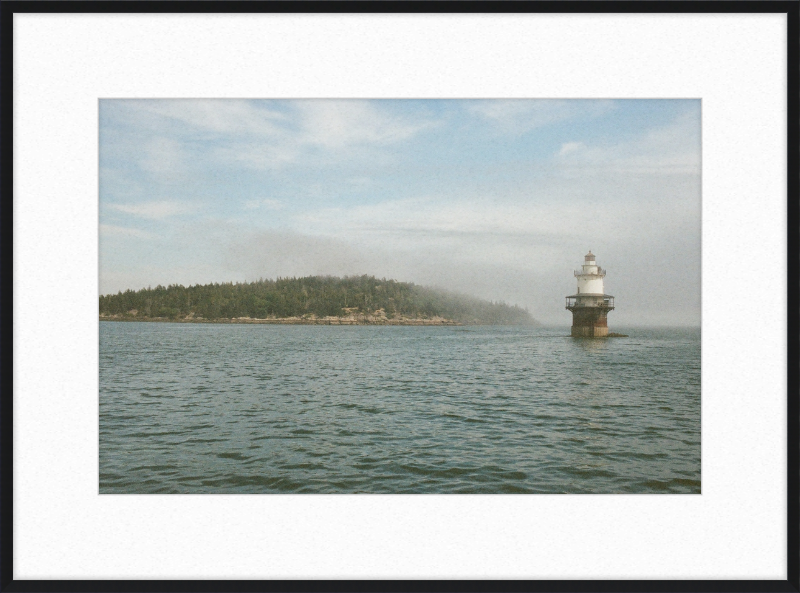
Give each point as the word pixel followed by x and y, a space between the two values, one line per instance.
pixel 305 320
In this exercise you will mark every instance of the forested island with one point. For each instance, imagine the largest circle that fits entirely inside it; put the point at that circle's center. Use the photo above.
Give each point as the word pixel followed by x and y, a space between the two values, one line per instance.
pixel 353 300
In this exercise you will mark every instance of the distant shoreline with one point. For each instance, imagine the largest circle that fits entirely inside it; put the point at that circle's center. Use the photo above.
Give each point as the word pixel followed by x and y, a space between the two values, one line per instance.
pixel 360 320
pixel 311 300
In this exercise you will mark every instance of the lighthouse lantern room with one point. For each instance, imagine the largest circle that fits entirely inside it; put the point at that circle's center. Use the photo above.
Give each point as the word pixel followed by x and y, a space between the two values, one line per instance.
pixel 590 305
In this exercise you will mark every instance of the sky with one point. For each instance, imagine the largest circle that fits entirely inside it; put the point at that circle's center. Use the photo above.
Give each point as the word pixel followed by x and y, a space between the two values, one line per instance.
pixel 499 199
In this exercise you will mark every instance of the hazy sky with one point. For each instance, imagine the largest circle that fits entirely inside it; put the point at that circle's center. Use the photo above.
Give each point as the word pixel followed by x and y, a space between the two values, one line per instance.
pixel 499 199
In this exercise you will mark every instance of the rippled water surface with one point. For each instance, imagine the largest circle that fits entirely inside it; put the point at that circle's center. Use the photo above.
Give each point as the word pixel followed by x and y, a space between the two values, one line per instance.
pixel 190 408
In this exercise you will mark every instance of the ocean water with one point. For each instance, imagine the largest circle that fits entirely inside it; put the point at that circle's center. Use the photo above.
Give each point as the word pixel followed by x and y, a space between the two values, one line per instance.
pixel 202 408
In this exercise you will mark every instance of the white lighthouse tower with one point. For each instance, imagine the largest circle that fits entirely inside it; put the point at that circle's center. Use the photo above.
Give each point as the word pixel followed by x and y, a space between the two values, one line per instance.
pixel 590 305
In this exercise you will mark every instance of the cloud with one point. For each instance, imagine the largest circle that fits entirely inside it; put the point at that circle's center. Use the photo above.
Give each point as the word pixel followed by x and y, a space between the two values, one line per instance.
pixel 522 115
pixel 510 230
pixel 163 156
pixel 337 124
pixel 267 204
pixel 155 210
pixel 324 130
pixel 673 148
pixel 259 135
pixel 110 230
pixel 219 116
pixel 568 147
pixel 360 182
pixel 265 155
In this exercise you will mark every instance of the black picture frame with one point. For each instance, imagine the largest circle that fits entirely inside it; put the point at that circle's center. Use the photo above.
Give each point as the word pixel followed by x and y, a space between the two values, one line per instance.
pixel 11 7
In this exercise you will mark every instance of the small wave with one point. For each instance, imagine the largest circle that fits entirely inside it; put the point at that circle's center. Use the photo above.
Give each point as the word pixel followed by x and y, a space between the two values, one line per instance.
pixel 142 435
pixel 369 410
pixel 450 472
pixel 305 465
pixel 505 474
pixel 589 472
pixel 675 484
pixel 638 455
pixel 234 455
pixel 154 468
pixel 686 482
pixel 279 483
pixel 196 440
pixel 511 489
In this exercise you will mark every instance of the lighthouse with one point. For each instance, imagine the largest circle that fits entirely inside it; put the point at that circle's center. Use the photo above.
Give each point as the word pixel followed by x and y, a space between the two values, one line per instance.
pixel 590 305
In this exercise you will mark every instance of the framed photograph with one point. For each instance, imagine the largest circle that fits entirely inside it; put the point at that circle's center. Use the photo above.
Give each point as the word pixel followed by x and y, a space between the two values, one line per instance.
pixel 323 296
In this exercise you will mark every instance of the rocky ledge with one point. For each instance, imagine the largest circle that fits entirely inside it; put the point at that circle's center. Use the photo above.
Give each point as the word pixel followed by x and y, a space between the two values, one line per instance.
pixel 304 320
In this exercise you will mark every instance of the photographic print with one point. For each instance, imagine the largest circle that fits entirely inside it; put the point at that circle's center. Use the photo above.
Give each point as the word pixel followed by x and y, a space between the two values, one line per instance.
pixel 399 296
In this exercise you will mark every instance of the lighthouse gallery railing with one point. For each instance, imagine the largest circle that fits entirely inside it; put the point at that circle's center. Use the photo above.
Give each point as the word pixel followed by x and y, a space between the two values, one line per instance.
pixel 607 302
pixel 600 272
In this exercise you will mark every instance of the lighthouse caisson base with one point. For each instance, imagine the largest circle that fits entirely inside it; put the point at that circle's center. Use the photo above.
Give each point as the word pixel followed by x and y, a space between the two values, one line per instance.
pixel 589 322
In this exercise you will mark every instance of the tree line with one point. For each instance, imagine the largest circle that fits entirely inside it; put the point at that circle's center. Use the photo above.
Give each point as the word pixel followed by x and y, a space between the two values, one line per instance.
pixel 312 295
